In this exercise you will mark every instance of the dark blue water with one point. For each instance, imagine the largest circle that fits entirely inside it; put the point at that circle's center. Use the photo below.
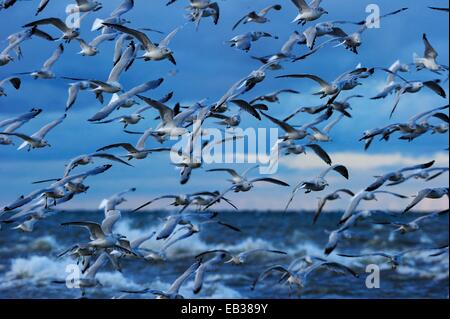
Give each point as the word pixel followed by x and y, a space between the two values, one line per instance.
pixel 28 262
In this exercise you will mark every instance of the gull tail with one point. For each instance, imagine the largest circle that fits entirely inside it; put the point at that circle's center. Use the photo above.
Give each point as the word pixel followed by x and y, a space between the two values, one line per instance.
pixel 22 146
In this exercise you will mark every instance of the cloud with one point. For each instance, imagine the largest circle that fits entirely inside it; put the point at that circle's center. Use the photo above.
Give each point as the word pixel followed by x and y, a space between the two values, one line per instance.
pixel 363 161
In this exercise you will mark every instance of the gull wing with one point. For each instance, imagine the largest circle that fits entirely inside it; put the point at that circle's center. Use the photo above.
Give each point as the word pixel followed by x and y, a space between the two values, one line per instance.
pixel 140 36
pixel 341 169
pixel 43 131
pixel 109 221
pixel 55 56
pixel 166 41
pixel 123 8
pixel 94 229
pixel 58 23
pixel 175 287
pixel 430 52
pixel 420 196
pixel 285 126
pixel 165 112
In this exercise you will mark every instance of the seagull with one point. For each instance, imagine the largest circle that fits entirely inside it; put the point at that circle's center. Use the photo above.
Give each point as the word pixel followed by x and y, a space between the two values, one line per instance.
pixel 152 52
pixel 37 139
pixel 395 260
pixel 201 9
pixel 185 200
pixel 289 147
pixel 427 174
pixel 120 100
pixel 300 133
pixel 317 184
pixel 56 189
pixel 439 9
pixel 413 126
pixel 192 229
pixel 68 33
pixel 323 135
pixel 91 48
pixel 188 219
pixel 397 175
pixel 257 17
pixel 408 87
pixel 330 197
pixel 244 41
pixel 308 13
pixel 240 183
pixel 285 52
pixel 428 61
pixel 137 152
pixel 101 235
pixel 86 159
pixel 241 258
pixel 235 120
pixel 173 291
pixel 15 40
pixel 74 89
pixel 45 72
pixel 14 123
pixel 89 280
pixel 432 193
pixel 244 85
pixel 171 124
pixel 364 195
pixel 299 278
pixel 320 29
pixel 346 81
pixel 413 225
pixel 30 216
pixel 14 81
pixel 273 97
pixel 114 17
pixel 353 41
pixel 84 6
pixel 109 204
pixel 203 268
pixel 136 116
pixel 112 85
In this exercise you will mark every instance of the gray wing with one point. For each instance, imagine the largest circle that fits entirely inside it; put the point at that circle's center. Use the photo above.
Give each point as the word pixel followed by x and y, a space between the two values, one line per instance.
pixel 269 180
pixel 165 112
pixel 285 126
pixel 95 229
pixel 230 171
pixel 124 61
pixel 175 287
pixel 419 166
pixel 435 87
pixel 313 77
pixel 166 41
pixel 43 131
pixel 109 221
pixel 420 196
pixel 124 7
pixel 430 52
pixel 301 5
pixel 140 240
pixel 58 23
pixel 341 169
pixel 140 36
pixel 55 56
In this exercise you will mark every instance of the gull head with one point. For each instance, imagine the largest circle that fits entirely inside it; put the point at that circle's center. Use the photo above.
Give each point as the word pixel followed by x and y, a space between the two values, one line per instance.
pixel 321 11
pixel 5 59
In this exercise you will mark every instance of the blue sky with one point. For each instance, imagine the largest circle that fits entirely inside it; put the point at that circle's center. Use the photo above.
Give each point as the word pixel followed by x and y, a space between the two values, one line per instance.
pixel 206 68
